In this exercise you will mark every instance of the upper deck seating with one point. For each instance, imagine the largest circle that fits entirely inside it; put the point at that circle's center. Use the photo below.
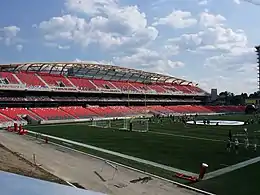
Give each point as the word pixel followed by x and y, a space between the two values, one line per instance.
pixel 30 79
pixel 83 84
pixel 8 78
pixel 55 80
pixel 103 84
pixel 158 88
pixel 124 86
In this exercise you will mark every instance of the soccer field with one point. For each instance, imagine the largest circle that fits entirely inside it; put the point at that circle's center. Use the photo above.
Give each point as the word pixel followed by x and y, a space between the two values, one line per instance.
pixel 169 143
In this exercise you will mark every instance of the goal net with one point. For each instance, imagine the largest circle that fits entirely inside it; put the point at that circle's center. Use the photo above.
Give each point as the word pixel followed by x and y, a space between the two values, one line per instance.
pixel 136 124
pixel 101 123
pixel 113 124
pixel 133 124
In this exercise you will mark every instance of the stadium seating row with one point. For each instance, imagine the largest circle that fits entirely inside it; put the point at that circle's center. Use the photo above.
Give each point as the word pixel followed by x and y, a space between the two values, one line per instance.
pixel 97 99
pixel 77 112
pixel 59 82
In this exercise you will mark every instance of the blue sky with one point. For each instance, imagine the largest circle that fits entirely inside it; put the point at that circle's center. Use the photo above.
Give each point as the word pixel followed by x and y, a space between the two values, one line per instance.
pixel 209 42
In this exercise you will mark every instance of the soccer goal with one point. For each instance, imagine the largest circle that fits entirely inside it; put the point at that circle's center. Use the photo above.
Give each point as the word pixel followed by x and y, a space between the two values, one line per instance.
pixel 136 124
pixel 101 123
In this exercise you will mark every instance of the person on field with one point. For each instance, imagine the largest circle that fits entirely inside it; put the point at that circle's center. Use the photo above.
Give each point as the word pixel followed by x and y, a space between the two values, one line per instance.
pixel 255 144
pixel 230 135
pixel 236 145
pixel 245 130
pixel 246 143
pixel 228 145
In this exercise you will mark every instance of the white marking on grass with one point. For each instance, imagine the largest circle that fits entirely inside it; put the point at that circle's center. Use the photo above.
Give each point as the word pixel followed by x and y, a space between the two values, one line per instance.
pixel 193 137
pixel 186 136
pixel 139 160
pixel 231 168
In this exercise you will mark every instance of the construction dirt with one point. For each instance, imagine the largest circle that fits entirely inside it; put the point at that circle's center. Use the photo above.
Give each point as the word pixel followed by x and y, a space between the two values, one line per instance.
pixel 84 170
pixel 15 163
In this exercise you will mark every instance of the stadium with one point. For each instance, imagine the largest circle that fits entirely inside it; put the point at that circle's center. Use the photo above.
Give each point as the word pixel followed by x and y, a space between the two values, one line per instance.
pixel 161 126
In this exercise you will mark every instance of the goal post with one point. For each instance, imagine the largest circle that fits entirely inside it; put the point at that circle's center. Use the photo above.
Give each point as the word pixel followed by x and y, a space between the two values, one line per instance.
pixel 101 123
pixel 136 124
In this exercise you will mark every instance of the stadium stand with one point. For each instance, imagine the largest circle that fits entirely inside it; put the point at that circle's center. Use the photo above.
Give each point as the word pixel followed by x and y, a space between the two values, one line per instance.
pixel 79 112
pixel 51 113
pixel 69 91
pixel 18 113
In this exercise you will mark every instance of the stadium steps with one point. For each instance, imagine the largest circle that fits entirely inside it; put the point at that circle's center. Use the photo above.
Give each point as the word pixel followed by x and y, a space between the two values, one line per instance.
pixel 94 84
pixel 3 116
pixel 20 82
pixel 71 83
pixel 35 116
pixel 72 115
pixel 114 86
pixel 132 85
pixel 42 80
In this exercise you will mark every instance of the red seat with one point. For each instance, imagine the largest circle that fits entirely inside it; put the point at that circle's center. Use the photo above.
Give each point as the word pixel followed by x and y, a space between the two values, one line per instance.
pixel 52 113
pixel 55 80
pixel 18 113
pixel 30 79
pixel 83 84
pixel 79 112
pixel 9 77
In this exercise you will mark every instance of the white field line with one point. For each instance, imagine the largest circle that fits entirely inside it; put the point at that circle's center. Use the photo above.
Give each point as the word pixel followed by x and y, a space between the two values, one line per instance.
pixel 139 160
pixel 231 168
pixel 186 136
pixel 130 168
pixel 194 137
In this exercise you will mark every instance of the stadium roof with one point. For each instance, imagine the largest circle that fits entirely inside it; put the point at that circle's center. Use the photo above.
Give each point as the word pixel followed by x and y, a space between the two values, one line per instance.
pixel 92 70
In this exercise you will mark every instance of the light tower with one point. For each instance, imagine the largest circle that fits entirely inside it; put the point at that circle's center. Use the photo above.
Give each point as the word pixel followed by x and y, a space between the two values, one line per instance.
pixel 258 65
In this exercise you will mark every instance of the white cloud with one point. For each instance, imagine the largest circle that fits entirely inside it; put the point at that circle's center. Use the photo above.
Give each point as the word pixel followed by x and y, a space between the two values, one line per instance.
pixel 91 7
pixel 94 62
pixel 210 20
pixel 203 2
pixel 8 34
pixel 237 1
pixel 214 36
pixel 116 26
pixel 236 60
pixel 124 31
pixel 234 84
pixel 149 60
pixel 55 45
pixel 177 19
pixel 19 47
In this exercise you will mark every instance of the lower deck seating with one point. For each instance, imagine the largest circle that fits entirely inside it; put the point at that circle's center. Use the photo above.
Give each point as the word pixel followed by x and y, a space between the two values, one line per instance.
pixel 19 113
pixel 78 112
pixel 52 113
pixel 105 111
pixel 4 119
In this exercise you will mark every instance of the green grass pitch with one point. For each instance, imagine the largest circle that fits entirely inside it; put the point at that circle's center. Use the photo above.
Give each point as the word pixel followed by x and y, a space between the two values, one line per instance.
pixel 169 143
